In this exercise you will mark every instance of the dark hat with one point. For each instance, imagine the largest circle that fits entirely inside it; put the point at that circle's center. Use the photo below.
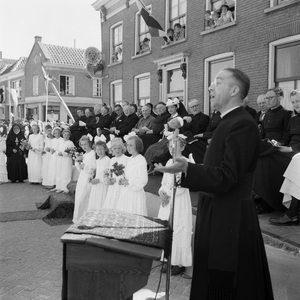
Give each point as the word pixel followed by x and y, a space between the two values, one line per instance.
pixel 145 40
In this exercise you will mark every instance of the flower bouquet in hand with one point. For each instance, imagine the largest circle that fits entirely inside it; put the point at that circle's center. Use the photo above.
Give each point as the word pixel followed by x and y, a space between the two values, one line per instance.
pixel 108 176
pixel 92 174
pixel 24 145
pixel 118 169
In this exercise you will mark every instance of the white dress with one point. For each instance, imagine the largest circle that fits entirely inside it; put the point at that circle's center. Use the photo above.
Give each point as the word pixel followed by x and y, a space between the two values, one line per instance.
pixel 34 162
pixel 45 161
pixel 63 166
pixel 291 184
pixel 51 178
pixel 113 192
pixel 133 198
pixel 182 226
pixel 3 170
pixel 99 190
pixel 83 186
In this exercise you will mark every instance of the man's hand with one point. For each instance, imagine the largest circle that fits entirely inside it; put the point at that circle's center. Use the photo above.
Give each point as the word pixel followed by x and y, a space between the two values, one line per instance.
pixel 188 119
pixel 285 149
pixel 180 165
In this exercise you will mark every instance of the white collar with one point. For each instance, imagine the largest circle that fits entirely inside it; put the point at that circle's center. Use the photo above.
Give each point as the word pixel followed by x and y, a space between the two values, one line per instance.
pixel 228 111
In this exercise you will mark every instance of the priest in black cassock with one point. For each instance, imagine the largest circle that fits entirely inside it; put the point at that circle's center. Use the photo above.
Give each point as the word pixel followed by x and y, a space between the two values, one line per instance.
pixel 229 257
pixel 16 154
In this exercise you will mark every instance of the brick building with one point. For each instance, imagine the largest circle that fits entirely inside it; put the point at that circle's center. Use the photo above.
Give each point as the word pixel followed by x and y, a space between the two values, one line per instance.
pixel 262 39
pixel 67 68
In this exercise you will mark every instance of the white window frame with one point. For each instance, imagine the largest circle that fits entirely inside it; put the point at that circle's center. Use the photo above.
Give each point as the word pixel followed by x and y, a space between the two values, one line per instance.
pixel 17 85
pixel 167 18
pixel 272 57
pixel 208 7
pixel 35 85
pixel 111 50
pixel 3 87
pixel 97 87
pixel 136 93
pixel 137 31
pixel 207 62
pixel 70 90
pixel 274 3
pixel 112 102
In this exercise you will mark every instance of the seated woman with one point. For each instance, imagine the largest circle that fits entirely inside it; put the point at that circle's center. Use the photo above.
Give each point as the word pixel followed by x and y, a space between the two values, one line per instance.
pixel 272 164
pixel 226 15
pixel 291 190
pixel 160 149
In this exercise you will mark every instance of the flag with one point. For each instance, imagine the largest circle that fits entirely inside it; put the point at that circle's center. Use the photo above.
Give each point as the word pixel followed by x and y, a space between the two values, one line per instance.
pixel 47 77
pixel 14 97
pixel 62 101
pixel 155 28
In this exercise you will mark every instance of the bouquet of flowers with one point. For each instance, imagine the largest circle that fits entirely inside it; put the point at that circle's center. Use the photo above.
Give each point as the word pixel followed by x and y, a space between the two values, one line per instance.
pixel 92 174
pixel 118 169
pixel 24 145
pixel 74 153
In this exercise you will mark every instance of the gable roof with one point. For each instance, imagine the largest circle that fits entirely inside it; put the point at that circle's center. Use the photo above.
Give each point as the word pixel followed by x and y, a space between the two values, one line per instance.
pixel 64 55
pixel 17 65
pixel 6 63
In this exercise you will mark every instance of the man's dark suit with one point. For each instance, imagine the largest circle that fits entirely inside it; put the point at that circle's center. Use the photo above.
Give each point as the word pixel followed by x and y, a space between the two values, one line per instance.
pixel 230 260
pixel 126 124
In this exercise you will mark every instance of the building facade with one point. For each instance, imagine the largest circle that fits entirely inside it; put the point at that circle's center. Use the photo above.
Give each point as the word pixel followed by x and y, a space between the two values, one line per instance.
pixel 66 67
pixel 262 39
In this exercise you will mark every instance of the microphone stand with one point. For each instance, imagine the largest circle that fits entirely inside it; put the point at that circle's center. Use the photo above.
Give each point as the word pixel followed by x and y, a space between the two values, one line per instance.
pixel 171 217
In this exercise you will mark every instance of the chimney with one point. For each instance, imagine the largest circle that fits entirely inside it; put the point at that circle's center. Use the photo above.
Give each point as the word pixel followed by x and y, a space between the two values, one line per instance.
pixel 38 38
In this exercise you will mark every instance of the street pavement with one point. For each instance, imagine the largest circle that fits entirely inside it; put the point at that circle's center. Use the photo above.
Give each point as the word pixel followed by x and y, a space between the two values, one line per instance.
pixel 31 253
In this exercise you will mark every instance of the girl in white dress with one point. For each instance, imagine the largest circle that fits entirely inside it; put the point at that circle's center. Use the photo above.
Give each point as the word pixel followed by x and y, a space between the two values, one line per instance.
pixel 87 170
pixel 3 170
pixel 46 155
pixel 99 186
pixel 50 180
pixel 132 196
pixel 63 164
pixel 112 197
pixel 34 162
pixel 182 226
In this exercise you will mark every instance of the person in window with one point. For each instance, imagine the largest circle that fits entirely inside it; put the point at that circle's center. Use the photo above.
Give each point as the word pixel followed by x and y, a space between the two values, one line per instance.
pixel 145 45
pixel 169 38
pixel 178 32
pixel 119 54
pixel 215 18
pixel 209 22
pixel 226 15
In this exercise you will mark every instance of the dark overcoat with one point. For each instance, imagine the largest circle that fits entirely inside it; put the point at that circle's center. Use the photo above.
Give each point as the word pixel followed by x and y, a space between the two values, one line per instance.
pixel 229 258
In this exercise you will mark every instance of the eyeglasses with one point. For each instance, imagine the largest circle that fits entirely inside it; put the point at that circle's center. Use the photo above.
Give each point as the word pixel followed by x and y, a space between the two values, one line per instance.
pixel 195 106
pixel 294 92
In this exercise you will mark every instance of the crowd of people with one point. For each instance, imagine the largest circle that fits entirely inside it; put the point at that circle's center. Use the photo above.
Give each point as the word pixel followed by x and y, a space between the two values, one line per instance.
pixel 114 152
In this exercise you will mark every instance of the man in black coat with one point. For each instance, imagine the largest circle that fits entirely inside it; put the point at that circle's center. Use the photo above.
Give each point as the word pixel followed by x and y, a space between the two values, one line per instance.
pixel 78 128
pixel 229 257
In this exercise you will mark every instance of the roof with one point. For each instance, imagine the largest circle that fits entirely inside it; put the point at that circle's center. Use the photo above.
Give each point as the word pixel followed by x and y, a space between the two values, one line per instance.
pixel 65 55
pixel 6 63
pixel 18 65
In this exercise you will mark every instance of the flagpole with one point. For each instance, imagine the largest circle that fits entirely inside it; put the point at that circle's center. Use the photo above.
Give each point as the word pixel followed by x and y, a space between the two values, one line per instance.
pixel 47 88
pixel 9 107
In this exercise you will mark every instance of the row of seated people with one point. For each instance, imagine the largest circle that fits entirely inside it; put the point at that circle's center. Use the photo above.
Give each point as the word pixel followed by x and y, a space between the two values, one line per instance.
pixel 280 131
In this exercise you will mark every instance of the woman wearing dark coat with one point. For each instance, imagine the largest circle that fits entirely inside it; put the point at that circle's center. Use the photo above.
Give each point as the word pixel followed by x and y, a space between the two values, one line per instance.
pixel 16 154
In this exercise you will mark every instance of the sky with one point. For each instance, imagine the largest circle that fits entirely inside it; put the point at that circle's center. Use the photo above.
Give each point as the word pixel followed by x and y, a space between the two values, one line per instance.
pixel 58 22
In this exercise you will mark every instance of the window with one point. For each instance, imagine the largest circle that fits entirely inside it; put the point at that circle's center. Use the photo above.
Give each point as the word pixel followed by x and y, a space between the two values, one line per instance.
pixel 35 86
pixel 116 43
pixel 278 2
pixel 176 15
pixel 116 92
pixel 142 89
pixel 66 85
pixel 143 40
pixel 217 18
pixel 287 69
pixel 97 87
pixel 172 74
pixel 2 94
pixel 17 85
pixel 212 66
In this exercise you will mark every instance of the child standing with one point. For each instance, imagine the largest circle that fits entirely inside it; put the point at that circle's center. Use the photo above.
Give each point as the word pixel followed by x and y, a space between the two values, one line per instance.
pixel 46 155
pixel 49 181
pixel 63 173
pixel 3 170
pixel 182 226
pixel 36 142
pixel 99 186
pixel 112 197
pixel 87 170
pixel 132 196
